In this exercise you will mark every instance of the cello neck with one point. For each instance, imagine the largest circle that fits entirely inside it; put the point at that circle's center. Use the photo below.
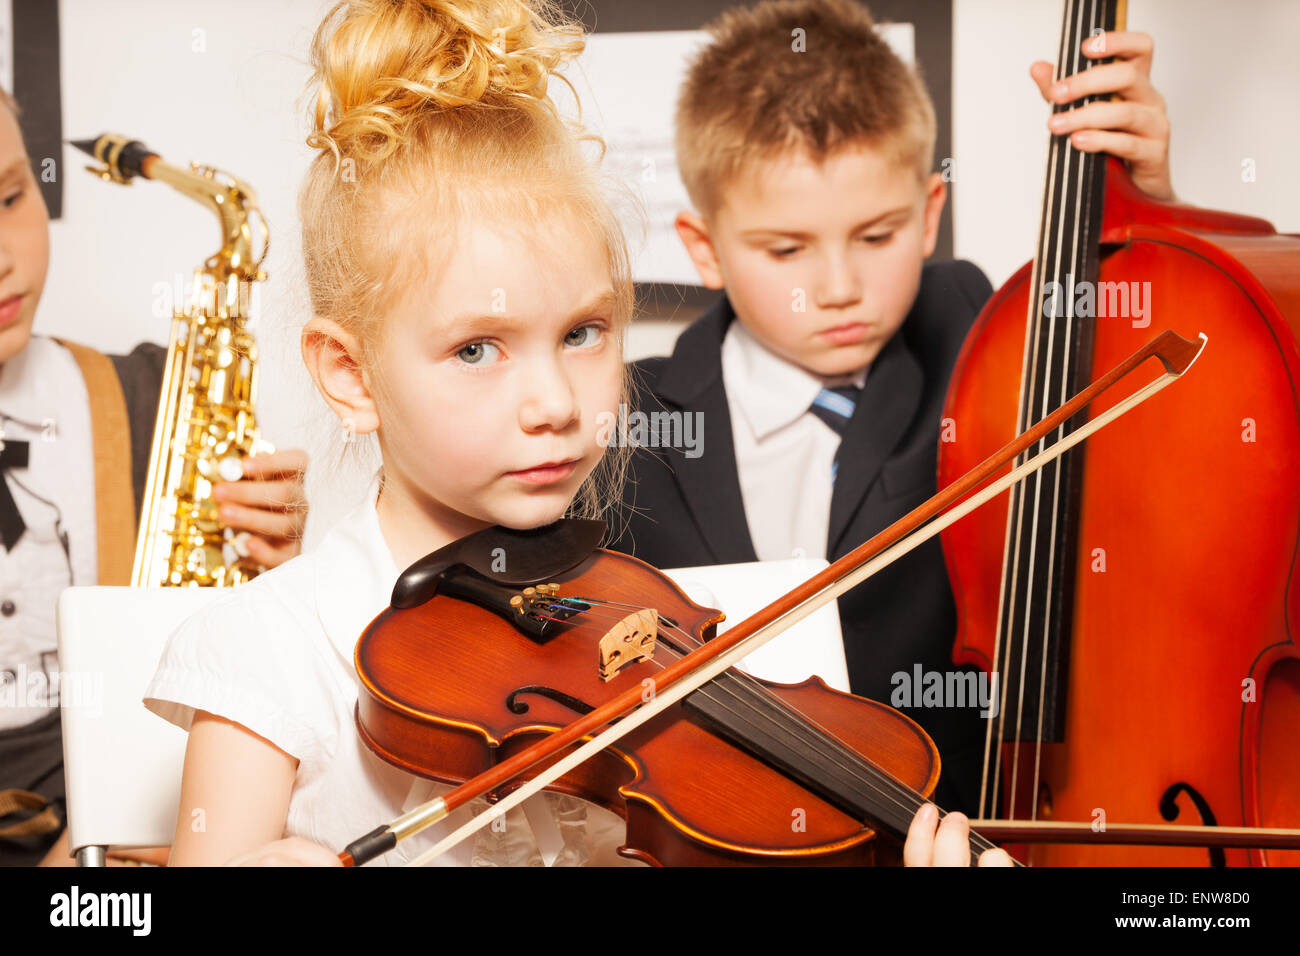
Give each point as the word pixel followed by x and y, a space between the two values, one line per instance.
pixel 1040 557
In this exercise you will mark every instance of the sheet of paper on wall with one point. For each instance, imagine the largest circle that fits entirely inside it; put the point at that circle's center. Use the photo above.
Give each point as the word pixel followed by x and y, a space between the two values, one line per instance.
pixel 7 45
pixel 813 646
pixel 627 84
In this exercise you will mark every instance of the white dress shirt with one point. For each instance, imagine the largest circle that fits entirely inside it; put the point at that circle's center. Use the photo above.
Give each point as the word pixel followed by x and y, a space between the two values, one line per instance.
pixel 784 453
pixel 43 401
pixel 277 656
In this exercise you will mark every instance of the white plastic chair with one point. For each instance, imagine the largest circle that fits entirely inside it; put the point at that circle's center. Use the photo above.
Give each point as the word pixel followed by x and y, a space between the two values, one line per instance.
pixel 122 764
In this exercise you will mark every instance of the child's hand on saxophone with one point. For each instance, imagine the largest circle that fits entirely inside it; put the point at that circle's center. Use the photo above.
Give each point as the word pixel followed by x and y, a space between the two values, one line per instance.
pixel 269 503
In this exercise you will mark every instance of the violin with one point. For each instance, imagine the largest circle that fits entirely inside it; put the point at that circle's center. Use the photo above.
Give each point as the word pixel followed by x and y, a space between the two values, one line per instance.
pixel 503 652
pixel 774 773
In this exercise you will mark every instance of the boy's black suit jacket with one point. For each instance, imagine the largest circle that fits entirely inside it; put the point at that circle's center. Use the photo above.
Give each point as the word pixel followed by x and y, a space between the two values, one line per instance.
pixel 681 511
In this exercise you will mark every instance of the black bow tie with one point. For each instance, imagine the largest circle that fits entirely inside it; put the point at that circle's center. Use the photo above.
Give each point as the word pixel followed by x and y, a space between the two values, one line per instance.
pixel 13 454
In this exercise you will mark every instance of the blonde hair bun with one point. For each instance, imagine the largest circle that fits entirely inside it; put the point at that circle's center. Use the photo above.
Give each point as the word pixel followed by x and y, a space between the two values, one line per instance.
pixel 380 63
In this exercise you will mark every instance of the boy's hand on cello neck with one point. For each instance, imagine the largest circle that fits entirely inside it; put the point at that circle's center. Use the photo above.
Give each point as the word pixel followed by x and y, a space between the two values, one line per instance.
pixel 1132 124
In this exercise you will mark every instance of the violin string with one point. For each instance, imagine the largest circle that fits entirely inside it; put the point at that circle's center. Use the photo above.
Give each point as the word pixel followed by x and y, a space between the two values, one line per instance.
pixel 869 776
pixel 790 709
pixel 806 732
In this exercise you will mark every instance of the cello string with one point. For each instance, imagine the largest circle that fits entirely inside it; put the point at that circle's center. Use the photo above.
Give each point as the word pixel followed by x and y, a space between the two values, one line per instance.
pixel 1080 238
pixel 1072 272
pixel 1008 599
pixel 1041 396
pixel 1074 168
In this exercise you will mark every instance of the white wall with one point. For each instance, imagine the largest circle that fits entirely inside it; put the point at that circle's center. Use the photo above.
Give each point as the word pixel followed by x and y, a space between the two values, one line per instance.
pixel 218 81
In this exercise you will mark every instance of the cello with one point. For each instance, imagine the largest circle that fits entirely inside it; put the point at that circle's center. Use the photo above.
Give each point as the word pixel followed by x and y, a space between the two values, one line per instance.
pixel 1140 599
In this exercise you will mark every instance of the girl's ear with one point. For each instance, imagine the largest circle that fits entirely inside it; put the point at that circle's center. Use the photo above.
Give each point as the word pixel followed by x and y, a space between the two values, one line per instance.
pixel 332 356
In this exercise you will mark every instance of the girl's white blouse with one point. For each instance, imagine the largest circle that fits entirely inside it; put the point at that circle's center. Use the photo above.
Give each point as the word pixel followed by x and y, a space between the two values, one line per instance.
pixel 276 655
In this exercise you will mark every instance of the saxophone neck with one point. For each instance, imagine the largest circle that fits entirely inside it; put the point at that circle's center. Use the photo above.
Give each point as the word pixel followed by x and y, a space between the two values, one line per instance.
pixel 245 238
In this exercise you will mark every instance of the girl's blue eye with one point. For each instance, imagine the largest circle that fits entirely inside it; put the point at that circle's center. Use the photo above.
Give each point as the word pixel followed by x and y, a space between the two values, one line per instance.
pixel 785 253
pixel 880 239
pixel 476 353
pixel 10 200
pixel 588 335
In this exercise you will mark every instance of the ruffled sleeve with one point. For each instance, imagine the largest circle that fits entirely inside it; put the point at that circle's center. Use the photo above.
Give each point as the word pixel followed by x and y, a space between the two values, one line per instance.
pixel 250 657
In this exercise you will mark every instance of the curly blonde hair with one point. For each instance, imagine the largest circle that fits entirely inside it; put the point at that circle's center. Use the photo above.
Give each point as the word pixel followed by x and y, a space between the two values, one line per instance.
pixel 438 111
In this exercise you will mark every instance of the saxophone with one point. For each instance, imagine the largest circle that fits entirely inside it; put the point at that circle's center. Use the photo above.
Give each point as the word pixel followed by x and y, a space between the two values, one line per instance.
pixel 205 420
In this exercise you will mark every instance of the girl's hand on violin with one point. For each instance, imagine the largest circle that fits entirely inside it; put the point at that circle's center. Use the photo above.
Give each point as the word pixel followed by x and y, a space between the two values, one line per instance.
pixel 293 851
pixel 269 503
pixel 1132 124
pixel 949 846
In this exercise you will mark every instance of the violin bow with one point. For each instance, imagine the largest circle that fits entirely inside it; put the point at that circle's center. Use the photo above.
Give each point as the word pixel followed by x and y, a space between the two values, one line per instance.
pixel 641 703
pixel 1160 834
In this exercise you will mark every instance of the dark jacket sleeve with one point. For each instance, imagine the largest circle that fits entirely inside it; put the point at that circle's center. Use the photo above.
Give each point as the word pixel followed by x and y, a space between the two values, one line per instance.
pixel 141 375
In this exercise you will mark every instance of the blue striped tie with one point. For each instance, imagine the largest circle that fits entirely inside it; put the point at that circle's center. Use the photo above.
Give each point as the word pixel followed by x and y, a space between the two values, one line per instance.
pixel 835 407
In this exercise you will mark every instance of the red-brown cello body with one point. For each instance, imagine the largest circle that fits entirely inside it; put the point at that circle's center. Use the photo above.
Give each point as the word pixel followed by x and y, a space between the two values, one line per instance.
pixel 1181 684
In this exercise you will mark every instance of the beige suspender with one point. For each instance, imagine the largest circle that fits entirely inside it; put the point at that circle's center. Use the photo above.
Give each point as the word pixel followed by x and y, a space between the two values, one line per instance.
pixel 115 526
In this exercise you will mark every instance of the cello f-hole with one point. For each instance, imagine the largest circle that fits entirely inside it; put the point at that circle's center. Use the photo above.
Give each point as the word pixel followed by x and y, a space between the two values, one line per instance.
pixel 1169 810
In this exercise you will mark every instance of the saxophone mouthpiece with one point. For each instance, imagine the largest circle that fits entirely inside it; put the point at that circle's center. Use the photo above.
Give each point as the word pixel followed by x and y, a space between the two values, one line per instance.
pixel 123 159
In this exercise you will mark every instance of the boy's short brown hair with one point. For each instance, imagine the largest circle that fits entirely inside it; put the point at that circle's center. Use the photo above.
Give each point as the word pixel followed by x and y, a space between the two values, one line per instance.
pixel 760 89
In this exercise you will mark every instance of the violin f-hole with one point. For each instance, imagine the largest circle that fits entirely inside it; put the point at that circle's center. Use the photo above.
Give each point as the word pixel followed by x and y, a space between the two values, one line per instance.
pixel 517 706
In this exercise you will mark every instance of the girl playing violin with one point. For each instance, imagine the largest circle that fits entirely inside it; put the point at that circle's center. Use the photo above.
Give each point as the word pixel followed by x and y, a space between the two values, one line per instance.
pixel 469 288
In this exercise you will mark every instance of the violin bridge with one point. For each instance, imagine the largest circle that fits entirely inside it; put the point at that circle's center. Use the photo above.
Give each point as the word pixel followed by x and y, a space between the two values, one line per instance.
pixel 630 640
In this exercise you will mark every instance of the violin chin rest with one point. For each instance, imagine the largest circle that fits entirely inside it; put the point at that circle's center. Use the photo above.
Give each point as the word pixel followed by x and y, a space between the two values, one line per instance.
pixel 505 555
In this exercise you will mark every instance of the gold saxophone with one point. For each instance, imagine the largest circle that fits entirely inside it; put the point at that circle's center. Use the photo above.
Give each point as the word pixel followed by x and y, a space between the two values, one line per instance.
pixel 205 421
